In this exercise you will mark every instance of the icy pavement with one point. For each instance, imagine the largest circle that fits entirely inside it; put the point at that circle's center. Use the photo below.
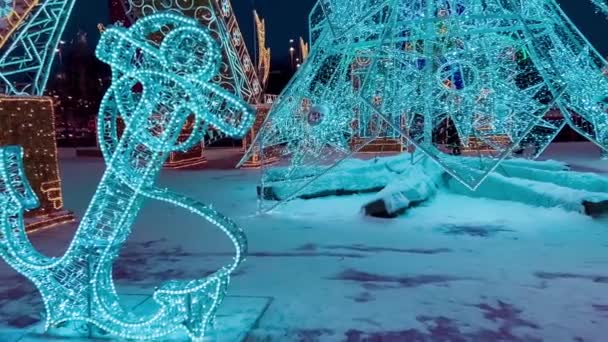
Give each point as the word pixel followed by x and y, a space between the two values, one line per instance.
pixel 457 269
pixel 582 156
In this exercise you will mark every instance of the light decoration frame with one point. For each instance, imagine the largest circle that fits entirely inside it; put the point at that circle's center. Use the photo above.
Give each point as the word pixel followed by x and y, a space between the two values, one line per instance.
pixel 601 5
pixel 496 71
pixel 238 75
pixel 30 122
pixel 175 74
pixel 6 8
pixel 304 49
pixel 264 53
pixel 12 15
pixel 28 44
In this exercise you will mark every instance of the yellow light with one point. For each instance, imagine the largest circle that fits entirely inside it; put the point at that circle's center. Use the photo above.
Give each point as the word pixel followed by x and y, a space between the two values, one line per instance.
pixel 30 122
pixel 21 9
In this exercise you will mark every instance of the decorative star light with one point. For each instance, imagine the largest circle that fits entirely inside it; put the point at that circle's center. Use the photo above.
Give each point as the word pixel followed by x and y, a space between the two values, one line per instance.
pixel 172 60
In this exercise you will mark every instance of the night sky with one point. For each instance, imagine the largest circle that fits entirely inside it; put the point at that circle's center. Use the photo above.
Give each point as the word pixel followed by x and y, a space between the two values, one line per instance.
pixel 286 19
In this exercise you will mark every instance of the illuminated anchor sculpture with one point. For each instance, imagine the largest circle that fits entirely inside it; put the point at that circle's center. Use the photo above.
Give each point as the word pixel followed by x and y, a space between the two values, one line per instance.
pixel 161 71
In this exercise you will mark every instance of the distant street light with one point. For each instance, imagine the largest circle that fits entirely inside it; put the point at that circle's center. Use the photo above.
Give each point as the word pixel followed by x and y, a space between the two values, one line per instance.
pixel 291 52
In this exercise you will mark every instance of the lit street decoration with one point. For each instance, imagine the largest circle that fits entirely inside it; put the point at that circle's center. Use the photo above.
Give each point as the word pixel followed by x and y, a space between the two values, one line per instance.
pixel 30 31
pixel 29 37
pixel 6 7
pixel 238 73
pixel 486 79
pixel 172 59
pixel 263 51
pixel 30 123
pixel 602 5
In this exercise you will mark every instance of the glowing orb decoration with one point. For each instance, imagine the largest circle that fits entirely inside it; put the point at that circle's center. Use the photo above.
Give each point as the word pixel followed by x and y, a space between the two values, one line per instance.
pixel 175 85
pixel 317 114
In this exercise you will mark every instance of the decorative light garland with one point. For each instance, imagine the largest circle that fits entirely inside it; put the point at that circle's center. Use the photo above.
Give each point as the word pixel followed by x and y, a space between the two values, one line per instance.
pixel 28 44
pixel 6 7
pixel 264 58
pixel 174 73
pixel 601 5
pixel 30 123
pixel 14 13
pixel 490 79
pixel 238 72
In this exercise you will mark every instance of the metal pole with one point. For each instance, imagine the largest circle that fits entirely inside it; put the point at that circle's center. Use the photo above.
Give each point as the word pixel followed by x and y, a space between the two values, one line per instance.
pixel 255 38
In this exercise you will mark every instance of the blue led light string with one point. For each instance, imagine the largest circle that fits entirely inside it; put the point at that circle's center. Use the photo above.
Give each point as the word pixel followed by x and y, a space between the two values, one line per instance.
pixel 6 7
pixel 26 57
pixel 174 74
pixel 601 6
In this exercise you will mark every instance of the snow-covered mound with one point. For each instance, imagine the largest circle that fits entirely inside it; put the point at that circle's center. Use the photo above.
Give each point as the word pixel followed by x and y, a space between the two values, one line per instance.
pixel 401 184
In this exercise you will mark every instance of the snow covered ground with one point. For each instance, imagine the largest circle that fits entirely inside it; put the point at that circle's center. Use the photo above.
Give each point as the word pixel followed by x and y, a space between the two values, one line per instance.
pixel 456 269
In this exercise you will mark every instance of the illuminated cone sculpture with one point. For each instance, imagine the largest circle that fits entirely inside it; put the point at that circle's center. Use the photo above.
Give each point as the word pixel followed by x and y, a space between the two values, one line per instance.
pixel 484 78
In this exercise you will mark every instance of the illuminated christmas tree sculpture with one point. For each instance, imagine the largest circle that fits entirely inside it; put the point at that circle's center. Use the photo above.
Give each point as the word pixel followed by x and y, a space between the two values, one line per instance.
pixel 173 59
pixel 485 79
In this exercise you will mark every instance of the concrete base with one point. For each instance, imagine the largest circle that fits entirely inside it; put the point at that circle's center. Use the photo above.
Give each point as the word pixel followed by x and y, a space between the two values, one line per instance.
pixel 236 317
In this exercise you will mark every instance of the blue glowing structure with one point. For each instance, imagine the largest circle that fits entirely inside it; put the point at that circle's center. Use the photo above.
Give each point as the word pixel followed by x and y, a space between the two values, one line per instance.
pixel 601 5
pixel 29 37
pixel 6 6
pixel 486 79
pixel 172 60
pixel 238 74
